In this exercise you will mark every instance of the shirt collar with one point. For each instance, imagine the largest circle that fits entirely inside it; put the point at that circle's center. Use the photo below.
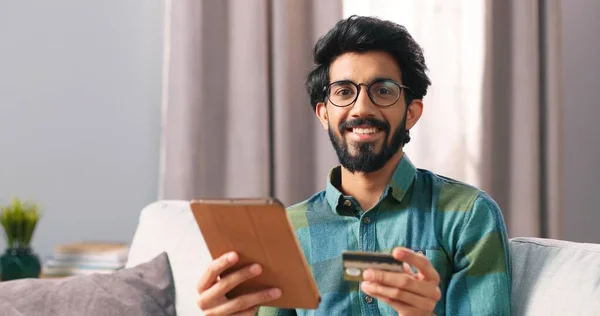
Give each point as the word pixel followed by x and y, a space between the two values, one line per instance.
pixel 399 184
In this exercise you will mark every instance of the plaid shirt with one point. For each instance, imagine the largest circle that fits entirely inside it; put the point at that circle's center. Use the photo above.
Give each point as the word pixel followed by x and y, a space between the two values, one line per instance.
pixel 459 228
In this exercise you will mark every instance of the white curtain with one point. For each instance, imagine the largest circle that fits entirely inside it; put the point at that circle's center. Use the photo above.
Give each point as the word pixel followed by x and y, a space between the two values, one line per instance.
pixel 491 115
pixel 447 139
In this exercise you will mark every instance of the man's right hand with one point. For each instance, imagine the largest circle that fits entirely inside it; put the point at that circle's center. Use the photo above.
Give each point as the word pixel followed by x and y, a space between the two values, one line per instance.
pixel 212 289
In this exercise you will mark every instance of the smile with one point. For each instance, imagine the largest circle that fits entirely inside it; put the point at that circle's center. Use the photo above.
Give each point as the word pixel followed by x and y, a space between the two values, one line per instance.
pixel 370 130
pixel 364 133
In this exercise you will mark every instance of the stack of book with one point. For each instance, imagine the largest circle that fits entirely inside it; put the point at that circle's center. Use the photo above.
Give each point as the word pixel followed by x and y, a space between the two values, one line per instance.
pixel 85 258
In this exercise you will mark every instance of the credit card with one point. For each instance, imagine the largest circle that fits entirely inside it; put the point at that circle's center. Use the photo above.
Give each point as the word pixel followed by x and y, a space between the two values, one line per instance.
pixel 355 262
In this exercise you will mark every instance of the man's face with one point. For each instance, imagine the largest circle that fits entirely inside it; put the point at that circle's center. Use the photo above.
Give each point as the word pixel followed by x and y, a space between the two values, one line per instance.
pixel 364 135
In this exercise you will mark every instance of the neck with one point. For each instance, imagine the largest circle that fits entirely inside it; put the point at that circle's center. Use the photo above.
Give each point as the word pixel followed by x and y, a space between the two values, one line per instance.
pixel 367 188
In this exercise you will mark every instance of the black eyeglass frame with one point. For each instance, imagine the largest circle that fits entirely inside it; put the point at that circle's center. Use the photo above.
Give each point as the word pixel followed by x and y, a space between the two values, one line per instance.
pixel 368 86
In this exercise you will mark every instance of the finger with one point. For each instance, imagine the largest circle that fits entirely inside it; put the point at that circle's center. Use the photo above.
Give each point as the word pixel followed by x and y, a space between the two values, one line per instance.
pixel 407 269
pixel 200 291
pixel 381 291
pixel 401 308
pixel 418 261
pixel 227 283
pixel 215 269
pixel 402 281
pixel 245 302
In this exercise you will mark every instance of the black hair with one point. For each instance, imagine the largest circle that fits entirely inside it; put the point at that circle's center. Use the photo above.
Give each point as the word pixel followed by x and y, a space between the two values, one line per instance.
pixel 362 34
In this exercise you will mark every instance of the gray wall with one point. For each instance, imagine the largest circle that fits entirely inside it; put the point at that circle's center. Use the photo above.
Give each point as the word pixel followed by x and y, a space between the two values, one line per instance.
pixel 80 89
pixel 581 55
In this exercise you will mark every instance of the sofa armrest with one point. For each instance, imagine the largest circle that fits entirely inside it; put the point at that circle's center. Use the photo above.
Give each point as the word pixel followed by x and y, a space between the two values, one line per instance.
pixel 555 277
pixel 170 226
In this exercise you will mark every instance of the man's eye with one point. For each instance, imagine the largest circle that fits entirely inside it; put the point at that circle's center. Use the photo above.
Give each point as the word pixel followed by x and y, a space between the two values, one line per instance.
pixel 343 92
pixel 383 91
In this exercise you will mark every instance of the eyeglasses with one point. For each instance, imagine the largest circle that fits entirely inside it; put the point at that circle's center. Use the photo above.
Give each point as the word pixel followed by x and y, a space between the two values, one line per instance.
pixel 383 93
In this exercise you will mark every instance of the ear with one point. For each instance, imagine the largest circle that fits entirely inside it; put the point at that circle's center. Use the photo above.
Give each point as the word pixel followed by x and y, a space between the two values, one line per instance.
pixel 415 109
pixel 321 112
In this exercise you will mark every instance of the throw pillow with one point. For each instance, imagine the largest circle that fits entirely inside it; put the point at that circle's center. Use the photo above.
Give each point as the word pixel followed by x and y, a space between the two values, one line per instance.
pixel 146 289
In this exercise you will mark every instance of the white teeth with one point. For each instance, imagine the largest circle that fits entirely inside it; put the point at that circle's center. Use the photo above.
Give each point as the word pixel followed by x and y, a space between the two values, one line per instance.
pixel 358 130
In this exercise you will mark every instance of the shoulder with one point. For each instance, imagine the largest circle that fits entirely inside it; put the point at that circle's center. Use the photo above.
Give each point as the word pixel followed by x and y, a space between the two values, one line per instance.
pixel 307 205
pixel 298 212
pixel 461 207
pixel 456 196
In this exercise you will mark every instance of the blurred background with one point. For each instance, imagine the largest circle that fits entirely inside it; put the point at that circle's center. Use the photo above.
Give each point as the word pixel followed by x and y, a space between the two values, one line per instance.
pixel 107 106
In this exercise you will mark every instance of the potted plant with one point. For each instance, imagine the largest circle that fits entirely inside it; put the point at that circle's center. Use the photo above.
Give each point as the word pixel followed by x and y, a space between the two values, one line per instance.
pixel 18 221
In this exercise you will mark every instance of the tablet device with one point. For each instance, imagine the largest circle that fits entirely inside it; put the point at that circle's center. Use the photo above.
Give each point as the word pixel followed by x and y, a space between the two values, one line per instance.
pixel 260 231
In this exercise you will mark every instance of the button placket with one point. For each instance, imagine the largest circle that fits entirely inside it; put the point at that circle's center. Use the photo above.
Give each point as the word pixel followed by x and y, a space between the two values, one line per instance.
pixel 367 230
pixel 368 242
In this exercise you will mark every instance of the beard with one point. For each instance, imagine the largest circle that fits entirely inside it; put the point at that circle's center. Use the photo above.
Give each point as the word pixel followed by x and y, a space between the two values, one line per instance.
pixel 367 158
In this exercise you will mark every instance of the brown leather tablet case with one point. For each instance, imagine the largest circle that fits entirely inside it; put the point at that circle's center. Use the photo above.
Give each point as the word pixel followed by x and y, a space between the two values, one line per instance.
pixel 260 232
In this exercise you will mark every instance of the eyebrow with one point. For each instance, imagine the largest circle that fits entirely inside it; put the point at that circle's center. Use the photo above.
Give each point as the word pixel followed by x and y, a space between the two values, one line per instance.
pixel 368 82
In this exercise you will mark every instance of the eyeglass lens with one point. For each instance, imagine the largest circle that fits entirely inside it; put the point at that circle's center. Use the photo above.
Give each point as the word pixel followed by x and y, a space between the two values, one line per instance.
pixel 382 93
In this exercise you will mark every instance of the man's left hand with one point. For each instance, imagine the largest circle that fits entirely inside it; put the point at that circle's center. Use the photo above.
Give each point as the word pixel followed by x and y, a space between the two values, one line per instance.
pixel 405 292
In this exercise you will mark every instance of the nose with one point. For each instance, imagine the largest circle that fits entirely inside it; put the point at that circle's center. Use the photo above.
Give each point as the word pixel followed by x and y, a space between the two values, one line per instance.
pixel 363 106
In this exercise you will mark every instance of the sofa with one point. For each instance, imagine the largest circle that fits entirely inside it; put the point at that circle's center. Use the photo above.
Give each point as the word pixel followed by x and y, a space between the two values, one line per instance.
pixel 550 277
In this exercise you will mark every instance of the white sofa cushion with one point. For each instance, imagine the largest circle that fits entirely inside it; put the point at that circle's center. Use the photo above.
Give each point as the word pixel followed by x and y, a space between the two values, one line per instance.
pixel 554 277
pixel 169 226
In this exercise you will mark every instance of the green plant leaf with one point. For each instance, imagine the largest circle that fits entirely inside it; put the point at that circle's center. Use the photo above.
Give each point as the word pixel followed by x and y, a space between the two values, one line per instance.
pixel 18 221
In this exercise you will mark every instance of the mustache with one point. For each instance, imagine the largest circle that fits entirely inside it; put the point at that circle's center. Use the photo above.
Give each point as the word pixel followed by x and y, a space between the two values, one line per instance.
pixel 370 122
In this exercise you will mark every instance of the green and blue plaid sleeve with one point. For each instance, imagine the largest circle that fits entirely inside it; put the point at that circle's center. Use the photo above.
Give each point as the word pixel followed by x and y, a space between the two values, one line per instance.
pixel 480 284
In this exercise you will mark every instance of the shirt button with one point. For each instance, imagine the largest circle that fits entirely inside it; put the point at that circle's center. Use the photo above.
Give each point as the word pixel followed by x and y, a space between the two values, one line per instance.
pixel 366 220
pixel 347 203
pixel 368 299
